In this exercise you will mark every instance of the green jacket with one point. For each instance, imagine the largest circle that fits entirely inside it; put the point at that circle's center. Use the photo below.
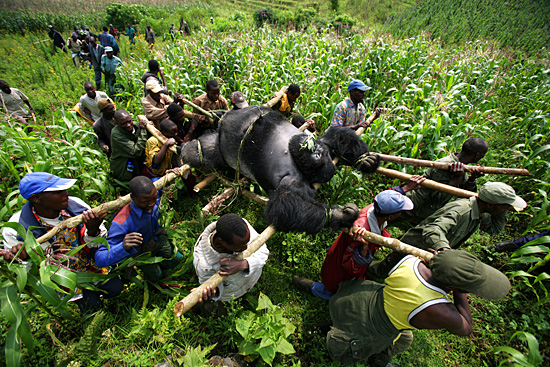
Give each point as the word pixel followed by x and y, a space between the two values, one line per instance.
pixel 452 225
pixel 127 147
pixel 427 201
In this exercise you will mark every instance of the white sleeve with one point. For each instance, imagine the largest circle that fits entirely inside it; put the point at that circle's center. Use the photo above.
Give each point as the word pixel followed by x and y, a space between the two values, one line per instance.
pixel 9 234
pixel 87 238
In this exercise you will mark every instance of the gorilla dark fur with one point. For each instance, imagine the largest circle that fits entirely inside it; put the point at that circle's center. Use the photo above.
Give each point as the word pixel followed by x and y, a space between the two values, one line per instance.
pixel 272 153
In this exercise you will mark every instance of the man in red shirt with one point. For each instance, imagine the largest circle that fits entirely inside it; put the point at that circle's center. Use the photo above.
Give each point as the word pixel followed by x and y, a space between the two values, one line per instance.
pixel 349 257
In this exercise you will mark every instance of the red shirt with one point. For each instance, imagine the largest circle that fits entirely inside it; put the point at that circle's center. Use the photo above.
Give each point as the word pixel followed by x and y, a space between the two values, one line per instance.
pixel 339 264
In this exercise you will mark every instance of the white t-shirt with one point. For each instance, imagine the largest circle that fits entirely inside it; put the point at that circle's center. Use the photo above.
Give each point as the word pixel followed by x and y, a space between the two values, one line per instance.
pixel 91 103
pixel 207 263
pixel 15 102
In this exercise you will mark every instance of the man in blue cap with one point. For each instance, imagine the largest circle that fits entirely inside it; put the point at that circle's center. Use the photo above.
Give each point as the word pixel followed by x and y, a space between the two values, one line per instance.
pixel 48 205
pixel 351 112
pixel 349 256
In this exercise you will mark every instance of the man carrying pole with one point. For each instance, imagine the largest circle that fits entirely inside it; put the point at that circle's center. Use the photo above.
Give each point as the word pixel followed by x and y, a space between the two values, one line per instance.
pixel 427 201
pixel 452 225
pixel 215 252
pixel 414 297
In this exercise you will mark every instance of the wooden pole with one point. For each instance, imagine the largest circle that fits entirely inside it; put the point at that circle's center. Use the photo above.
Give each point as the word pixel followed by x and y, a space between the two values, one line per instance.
pixel 434 185
pixel 189 301
pixel 107 207
pixel 201 110
pixel 273 101
pixel 154 131
pixel 246 193
pixel 207 181
pixel 445 165
pixel 213 204
pixel 396 245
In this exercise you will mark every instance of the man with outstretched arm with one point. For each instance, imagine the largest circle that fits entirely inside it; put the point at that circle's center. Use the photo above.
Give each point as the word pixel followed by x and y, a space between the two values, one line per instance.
pixel 415 296
pixel 135 230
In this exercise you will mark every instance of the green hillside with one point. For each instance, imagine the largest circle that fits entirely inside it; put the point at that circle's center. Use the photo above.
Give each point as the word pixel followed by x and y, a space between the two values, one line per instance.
pixel 522 24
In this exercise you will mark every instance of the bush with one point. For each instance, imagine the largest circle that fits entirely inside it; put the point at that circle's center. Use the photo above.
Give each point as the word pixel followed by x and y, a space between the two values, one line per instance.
pixel 121 14
pixel 264 16
pixel 303 18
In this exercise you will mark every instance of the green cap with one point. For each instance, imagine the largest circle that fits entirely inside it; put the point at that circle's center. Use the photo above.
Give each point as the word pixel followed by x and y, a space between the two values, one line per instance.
pixel 464 271
pixel 500 193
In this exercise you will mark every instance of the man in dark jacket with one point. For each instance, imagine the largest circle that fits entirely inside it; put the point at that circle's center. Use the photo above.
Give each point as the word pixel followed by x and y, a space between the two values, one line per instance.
pixel 96 51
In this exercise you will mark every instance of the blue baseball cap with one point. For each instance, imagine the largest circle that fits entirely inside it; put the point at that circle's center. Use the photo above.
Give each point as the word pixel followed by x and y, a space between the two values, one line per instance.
pixel 37 182
pixel 391 202
pixel 357 84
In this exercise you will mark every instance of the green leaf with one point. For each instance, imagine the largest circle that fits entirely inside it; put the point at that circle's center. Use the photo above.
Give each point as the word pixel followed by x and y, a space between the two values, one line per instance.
pixel 50 296
pixel 285 347
pixel 520 273
pixel 64 278
pixel 516 355
pixel 35 251
pixel 243 324
pixel 46 272
pixel 264 302
pixel 12 349
pixel 268 353
pixel 21 275
pixel 17 227
pixel 531 250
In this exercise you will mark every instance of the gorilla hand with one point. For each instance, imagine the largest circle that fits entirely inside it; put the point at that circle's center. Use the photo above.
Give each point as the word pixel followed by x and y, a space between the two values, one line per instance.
pixel 368 162
pixel 343 216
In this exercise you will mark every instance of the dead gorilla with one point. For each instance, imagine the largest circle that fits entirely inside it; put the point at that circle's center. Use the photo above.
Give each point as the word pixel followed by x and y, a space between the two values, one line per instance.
pixel 273 155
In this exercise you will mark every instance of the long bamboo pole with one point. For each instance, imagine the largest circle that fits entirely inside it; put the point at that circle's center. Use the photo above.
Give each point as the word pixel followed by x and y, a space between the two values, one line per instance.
pixel 434 185
pixel 273 101
pixel 396 245
pixel 445 165
pixel 190 300
pixel 107 207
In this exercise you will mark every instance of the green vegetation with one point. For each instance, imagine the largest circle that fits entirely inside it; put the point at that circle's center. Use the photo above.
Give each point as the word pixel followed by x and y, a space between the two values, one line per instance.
pixel 522 25
pixel 432 97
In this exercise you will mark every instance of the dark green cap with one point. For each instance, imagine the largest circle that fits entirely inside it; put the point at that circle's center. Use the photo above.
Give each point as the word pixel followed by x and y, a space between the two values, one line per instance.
pixel 462 270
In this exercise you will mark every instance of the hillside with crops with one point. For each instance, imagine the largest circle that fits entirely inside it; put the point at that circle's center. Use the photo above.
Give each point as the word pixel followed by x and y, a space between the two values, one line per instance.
pixel 434 91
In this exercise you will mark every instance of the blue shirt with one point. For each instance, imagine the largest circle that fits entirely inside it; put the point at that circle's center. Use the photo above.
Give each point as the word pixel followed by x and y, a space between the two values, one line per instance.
pixel 107 39
pixel 110 64
pixel 129 219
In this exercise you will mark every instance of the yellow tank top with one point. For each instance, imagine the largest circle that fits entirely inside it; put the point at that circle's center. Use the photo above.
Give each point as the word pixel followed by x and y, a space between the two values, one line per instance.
pixel 406 293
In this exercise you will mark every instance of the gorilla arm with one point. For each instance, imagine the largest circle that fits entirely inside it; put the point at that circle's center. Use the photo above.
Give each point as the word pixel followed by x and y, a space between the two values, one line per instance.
pixel 292 207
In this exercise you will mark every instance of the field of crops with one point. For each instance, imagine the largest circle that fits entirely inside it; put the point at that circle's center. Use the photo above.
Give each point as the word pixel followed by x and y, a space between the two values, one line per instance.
pixel 432 98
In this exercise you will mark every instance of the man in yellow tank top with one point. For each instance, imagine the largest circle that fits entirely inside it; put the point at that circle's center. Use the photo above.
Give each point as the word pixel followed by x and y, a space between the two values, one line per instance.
pixel 373 321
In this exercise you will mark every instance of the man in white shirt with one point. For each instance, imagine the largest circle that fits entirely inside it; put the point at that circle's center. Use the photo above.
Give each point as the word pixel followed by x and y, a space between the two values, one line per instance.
pixel 215 251
pixel 87 106
pixel 14 101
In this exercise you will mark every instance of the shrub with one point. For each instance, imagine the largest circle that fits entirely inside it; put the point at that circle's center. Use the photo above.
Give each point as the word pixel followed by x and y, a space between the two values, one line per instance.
pixel 121 14
pixel 264 16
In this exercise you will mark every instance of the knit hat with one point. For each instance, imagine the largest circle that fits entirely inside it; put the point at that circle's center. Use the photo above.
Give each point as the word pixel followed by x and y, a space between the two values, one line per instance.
pixel 462 270
pixel 37 182
pixel 390 202
pixel 500 193
pixel 108 49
